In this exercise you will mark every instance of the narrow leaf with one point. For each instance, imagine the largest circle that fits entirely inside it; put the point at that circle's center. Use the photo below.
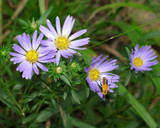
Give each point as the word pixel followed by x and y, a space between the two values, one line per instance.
pixel 65 80
pixel 75 96
pixel 128 77
pixel 45 15
pixel 80 124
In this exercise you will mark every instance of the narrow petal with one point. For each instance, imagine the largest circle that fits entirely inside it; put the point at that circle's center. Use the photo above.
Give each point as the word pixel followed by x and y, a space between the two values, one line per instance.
pixel 58 58
pixel 34 39
pixel 41 66
pixel 27 73
pixel 65 25
pixel 17 59
pixel 18 49
pixel 77 34
pixel 58 26
pixel 28 41
pixel 16 54
pixel 50 26
pixel 46 32
pixel 37 43
pixel 70 28
pixel 22 66
pixel 22 42
pixel 35 69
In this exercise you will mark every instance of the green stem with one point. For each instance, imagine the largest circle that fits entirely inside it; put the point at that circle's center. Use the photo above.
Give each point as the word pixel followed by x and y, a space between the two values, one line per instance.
pixel 137 106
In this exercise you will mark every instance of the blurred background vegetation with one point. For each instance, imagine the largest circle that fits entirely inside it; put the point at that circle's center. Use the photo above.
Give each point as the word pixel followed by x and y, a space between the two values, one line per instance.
pixel 104 20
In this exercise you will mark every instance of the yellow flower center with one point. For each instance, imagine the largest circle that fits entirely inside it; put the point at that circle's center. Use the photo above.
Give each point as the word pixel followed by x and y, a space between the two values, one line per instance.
pixel 94 74
pixel 138 62
pixel 32 56
pixel 62 43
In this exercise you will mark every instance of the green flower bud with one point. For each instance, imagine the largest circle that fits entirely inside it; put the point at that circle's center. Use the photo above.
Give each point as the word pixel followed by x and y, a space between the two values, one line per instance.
pixel 73 65
pixel 59 70
pixel 34 25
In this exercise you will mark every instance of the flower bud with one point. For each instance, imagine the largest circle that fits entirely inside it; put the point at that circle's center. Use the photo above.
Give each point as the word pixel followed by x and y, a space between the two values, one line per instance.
pixel 73 65
pixel 59 70
pixel 34 25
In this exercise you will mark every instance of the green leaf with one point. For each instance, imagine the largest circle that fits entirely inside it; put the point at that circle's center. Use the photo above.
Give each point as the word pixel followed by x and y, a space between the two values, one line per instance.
pixel 23 22
pixel 65 80
pixel 17 87
pixel 128 51
pixel 54 103
pixel 45 114
pixel 44 16
pixel 80 124
pixel 87 91
pixel 29 118
pixel 75 96
pixel 150 35
pixel 137 106
pixel 64 95
pixel 128 77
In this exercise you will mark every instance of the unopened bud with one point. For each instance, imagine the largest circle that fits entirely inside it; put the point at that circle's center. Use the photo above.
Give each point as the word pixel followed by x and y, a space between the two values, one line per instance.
pixel 73 65
pixel 59 70
pixel 34 25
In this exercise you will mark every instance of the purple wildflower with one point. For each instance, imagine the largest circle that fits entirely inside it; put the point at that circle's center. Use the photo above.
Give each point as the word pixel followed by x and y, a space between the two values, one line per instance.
pixel 61 41
pixel 100 68
pixel 141 59
pixel 30 55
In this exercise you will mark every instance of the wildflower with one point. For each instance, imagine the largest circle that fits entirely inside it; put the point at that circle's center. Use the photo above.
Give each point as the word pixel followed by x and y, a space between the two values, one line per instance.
pixel 141 59
pixel 98 70
pixel 30 55
pixel 61 41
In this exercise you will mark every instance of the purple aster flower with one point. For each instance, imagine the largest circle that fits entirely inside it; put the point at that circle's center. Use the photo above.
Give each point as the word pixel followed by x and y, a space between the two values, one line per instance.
pixel 30 55
pixel 141 59
pixel 61 41
pixel 98 70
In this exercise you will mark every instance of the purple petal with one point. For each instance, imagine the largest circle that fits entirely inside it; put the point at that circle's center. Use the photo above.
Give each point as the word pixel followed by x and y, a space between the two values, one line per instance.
pixel 28 41
pixel 41 66
pixel 17 59
pixel 35 69
pixel 18 49
pixel 27 73
pixel 22 66
pixel 46 32
pixel 65 25
pixel 58 58
pixel 34 37
pixel 50 26
pixel 77 34
pixel 69 29
pixel 58 26
pixel 22 42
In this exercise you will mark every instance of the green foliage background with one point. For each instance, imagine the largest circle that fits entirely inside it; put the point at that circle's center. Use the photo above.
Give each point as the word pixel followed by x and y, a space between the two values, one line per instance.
pixel 64 99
